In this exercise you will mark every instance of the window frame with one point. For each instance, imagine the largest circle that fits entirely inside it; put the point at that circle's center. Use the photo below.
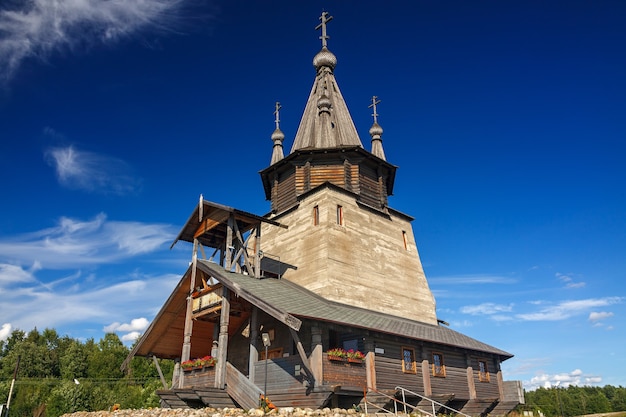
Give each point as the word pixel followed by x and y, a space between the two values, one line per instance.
pixel 483 374
pixel 340 218
pixel 412 369
pixel 438 371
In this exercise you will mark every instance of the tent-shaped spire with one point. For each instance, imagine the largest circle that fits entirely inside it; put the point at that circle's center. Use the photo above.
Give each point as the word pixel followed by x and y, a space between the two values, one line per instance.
pixel 326 121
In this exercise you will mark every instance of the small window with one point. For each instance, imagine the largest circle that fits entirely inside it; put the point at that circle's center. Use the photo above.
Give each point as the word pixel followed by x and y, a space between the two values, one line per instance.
pixel 404 239
pixel 483 371
pixel 408 361
pixel 316 215
pixel 340 215
pixel 439 369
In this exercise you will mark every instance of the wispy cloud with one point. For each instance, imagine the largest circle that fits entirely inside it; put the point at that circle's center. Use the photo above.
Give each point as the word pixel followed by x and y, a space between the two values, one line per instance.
pixel 73 243
pixel 39 28
pixel 472 279
pixel 567 309
pixel 487 309
pixel 569 281
pixel 90 171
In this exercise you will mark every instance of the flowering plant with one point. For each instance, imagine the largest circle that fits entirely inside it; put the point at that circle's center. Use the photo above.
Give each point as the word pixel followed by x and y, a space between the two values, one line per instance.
pixel 199 362
pixel 337 352
pixel 352 354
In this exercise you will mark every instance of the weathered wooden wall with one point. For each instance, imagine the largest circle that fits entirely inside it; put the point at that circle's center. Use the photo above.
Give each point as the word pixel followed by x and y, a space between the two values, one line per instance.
pixel 350 376
pixel 362 262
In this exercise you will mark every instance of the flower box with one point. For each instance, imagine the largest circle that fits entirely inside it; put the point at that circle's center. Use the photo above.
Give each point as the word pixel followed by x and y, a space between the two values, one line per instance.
pixel 335 358
pixel 355 360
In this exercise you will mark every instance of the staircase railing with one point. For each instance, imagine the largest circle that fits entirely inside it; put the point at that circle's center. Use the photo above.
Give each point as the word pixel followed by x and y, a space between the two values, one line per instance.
pixel 430 400
pixel 401 403
pixel 241 389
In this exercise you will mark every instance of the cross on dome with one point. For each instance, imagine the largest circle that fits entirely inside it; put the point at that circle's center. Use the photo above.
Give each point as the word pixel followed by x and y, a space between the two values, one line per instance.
pixel 276 113
pixel 324 19
pixel 375 101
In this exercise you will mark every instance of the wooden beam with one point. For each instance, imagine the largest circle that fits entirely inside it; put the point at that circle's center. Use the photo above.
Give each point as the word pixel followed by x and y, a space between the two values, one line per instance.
pixel 254 335
pixel 205 226
pixel 161 377
pixel 305 360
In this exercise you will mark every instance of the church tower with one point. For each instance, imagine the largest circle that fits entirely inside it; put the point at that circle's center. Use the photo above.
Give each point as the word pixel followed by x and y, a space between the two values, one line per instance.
pixel 343 241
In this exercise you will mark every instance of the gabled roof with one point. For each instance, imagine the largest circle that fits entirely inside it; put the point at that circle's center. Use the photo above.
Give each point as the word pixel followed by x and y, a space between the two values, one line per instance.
pixel 215 216
pixel 295 300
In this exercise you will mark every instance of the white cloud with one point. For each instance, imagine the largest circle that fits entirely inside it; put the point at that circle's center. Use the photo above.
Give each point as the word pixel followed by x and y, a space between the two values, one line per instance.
pixel 595 316
pixel 562 380
pixel 567 309
pixel 486 309
pixel 89 171
pixel 139 324
pixel 130 337
pixel 5 331
pixel 41 28
pixel 12 274
pixel 72 243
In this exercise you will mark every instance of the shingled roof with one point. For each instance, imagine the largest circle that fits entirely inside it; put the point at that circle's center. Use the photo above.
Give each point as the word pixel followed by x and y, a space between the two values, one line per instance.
pixel 295 300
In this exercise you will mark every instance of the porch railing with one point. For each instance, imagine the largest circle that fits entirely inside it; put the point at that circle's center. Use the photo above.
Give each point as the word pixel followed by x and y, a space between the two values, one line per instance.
pixel 400 404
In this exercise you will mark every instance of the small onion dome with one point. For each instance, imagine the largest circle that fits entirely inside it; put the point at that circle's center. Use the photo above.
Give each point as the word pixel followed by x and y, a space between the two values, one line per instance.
pixel 278 135
pixel 324 58
pixel 376 130
pixel 324 103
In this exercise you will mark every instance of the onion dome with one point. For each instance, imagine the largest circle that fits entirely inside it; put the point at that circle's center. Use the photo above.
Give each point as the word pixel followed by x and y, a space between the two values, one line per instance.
pixel 324 58
pixel 278 135
pixel 376 131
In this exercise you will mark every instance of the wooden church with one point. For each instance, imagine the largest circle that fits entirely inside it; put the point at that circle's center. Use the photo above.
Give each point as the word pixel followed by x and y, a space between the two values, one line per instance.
pixel 322 302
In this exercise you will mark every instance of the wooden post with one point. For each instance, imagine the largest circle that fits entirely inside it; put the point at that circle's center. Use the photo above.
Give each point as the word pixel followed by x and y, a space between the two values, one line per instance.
pixel 317 354
pixel 471 385
pixel 500 381
pixel 220 368
pixel 257 252
pixel 370 364
pixel 428 391
pixel 229 242
pixel 254 335
pixel 186 353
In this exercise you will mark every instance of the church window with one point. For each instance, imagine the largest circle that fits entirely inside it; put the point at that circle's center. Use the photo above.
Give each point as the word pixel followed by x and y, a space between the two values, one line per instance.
pixel 340 215
pixel 483 371
pixel 408 360
pixel 316 215
pixel 405 240
pixel 439 369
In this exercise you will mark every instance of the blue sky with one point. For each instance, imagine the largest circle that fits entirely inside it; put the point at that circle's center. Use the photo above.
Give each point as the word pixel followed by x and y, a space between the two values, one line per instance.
pixel 506 119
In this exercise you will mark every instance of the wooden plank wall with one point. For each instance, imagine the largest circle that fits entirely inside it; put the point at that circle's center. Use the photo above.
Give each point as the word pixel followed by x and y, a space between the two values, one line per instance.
pixel 350 376
pixel 284 194
pixel 455 381
pixel 280 374
pixel 196 378
pixel 389 375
